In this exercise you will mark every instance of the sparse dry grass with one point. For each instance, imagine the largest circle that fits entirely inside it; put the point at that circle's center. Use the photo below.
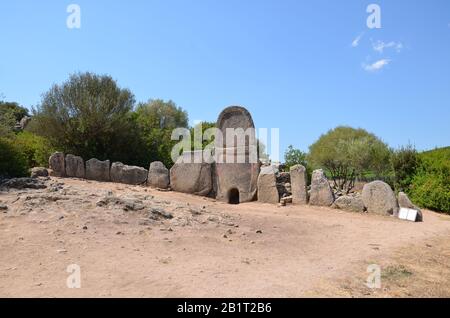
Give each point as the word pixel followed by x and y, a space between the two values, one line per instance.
pixel 416 271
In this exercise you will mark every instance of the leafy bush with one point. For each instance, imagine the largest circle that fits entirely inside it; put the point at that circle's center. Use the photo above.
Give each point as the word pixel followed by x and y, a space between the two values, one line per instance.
pixel 36 149
pixel 405 162
pixel 155 121
pixel 430 187
pixel 13 162
pixel 346 153
pixel 431 191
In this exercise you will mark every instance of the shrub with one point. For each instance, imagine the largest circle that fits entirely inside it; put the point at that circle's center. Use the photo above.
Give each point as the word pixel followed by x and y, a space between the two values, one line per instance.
pixel 13 162
pixel 430 187
pixel 36 149
pixel 431 191
pixel 405 162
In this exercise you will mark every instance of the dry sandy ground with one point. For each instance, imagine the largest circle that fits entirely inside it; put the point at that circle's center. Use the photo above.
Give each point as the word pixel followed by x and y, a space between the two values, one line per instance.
pixel 208 248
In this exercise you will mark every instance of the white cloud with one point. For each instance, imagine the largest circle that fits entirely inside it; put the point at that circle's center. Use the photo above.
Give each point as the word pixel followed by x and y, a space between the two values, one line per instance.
pixel 380 46
pixel 378 65
pixel 355 42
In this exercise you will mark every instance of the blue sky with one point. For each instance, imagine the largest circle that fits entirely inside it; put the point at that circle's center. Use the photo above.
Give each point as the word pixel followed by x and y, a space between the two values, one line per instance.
pixel 301 66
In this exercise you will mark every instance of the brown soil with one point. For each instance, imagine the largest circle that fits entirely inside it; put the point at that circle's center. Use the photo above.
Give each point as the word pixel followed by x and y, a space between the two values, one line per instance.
pixel 208 248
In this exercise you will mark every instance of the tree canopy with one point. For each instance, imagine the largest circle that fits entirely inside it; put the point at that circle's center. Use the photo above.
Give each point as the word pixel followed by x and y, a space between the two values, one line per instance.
pixel 347 153
pixel 88 115
pixel 155 121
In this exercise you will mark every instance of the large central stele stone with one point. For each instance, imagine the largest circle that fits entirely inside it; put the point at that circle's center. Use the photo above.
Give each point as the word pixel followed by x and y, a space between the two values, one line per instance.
pixel 237 163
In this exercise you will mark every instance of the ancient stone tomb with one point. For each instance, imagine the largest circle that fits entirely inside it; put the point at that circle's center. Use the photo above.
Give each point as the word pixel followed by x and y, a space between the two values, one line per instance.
pixel 235 175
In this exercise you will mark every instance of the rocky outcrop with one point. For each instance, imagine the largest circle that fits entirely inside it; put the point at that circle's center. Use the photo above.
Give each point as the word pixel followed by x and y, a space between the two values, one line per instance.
pixel 75 167
pixel 23 183
pixel 128 174
pixel 57 164
pixel 158 175
pixel 379 198
pixel 267 186
pixel 349 203
pixel 37 172
pixel 299 185
pixel 97 170
pixel 321 192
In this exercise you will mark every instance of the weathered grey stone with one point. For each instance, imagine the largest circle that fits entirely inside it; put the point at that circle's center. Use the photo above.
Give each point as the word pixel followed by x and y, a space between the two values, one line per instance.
pixel 24 183
pixel 97 170
pixel 158 175
pixel 237 165
pixel 349 203
pixel 189 177
pixel 57 164
pixel 299 184
pixel 75 167
pixel 379 198
pixel 405 202
pixel 321 192
pixel 128 174
pixel 267 186
pixel 39 172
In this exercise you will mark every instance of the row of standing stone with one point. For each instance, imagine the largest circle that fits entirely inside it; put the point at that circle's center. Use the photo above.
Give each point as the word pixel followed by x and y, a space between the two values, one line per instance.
pixel 376 197
pixel 74 167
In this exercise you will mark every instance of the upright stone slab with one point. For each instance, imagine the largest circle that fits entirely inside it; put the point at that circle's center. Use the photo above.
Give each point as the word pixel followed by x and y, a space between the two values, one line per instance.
pixel 128 174
pixel 405 202
pixel 236 155
pixel 267 186
pixel 321 192
pixel 299 185
pixel 97 170
pixel 379 198
pixel 56 162
pixel 187 176
pixel 75 167
pixel 158 175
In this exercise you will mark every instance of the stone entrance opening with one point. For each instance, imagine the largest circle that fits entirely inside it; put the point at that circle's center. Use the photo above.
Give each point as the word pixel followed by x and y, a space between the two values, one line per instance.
pixel 233 196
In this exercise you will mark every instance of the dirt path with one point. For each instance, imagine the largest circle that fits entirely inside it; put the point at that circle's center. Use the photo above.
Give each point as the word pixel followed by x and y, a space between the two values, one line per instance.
pixel 208 249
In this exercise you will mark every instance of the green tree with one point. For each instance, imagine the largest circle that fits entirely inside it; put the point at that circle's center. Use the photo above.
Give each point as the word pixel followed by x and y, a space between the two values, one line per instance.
pixel 155 121
pixel 196 130
pixel 346 153
pixel 14 109
pixel 10 114
pixel 88 115
pixel 405 162
pixel 294 157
